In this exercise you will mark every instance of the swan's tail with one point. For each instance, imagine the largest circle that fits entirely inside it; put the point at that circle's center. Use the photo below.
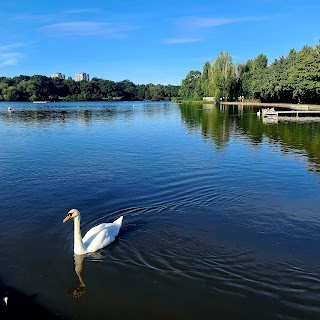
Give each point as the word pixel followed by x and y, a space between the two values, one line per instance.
pixel 118 221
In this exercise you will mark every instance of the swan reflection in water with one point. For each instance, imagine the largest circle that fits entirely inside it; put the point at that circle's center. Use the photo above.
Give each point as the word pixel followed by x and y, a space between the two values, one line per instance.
pixel 78 265
pixel 78 291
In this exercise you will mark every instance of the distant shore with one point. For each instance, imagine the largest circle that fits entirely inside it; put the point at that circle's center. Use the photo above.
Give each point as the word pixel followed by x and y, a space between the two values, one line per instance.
pixel 314 107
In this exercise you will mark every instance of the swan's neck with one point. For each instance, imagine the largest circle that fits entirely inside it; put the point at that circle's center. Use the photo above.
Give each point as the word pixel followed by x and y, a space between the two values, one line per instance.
pixel 78 243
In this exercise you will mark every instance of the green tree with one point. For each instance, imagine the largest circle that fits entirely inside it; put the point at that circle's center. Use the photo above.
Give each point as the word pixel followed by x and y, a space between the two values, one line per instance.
pixel 206 80
pixel 304 75
pixel 189 85
pixel 224 76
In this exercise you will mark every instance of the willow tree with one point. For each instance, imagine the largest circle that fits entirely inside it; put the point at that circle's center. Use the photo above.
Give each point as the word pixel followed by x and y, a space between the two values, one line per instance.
pixel 206 80
pixel 223 75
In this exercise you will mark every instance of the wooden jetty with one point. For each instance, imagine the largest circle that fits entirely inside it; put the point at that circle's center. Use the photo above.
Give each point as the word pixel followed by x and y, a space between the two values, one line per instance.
pixel 271 116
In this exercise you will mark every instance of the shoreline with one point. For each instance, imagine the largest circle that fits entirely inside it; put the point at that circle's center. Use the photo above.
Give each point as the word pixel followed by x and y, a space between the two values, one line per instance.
pixel 314 107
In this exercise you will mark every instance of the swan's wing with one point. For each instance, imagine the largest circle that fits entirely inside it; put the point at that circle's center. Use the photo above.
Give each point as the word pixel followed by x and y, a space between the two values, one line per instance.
pixel 103 238
pixel 94 231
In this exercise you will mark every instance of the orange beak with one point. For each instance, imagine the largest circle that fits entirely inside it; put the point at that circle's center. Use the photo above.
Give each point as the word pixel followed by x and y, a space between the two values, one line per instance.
pixel 67 218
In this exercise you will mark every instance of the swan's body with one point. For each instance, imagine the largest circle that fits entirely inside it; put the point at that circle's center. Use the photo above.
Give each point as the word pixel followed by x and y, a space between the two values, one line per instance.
pixel 96 238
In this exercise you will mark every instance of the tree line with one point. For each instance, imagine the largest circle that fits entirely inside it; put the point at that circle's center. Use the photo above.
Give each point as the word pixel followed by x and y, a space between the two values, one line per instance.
pixel 294 78
pixel 42 88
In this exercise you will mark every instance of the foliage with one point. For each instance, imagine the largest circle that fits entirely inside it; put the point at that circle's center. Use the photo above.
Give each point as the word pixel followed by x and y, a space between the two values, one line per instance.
pixel 292 79
pixel 191 86
pixel 38 87
pixel 223 75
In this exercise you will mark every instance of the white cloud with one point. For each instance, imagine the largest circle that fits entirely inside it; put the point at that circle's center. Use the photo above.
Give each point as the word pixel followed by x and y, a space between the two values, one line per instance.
pixel 190 29
pixel 34 18
pixel 83 10
pixel 86 28
pixel 205 22
pixel 9 59
pixel 9 47
pixel 9 56
pixel 180 40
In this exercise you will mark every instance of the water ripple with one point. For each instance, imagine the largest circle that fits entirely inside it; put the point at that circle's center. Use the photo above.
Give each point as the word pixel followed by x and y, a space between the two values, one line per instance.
pixel 231 273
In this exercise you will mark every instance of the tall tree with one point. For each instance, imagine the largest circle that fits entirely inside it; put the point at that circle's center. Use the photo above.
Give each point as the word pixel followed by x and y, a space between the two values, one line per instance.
pixel 206 80
pixel 189 85
pixel 223 75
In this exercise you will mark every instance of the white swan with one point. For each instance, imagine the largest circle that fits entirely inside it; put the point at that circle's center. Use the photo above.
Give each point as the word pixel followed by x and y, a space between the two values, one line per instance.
pixel 96 238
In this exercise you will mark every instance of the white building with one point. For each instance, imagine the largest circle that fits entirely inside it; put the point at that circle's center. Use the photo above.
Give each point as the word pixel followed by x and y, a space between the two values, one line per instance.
pixel 208 99
pixel 58 75
pixel 82 76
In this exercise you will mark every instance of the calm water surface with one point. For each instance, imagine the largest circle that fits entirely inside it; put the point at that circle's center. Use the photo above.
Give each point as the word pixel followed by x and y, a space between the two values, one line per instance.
pixel 221 212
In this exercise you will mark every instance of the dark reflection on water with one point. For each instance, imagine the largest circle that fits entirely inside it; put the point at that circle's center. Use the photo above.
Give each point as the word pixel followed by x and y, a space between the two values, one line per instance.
pixel 221 212
pixel 48 114
pixel 219 123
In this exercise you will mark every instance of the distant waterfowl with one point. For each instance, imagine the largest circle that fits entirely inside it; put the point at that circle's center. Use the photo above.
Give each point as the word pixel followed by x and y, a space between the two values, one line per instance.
pixel 96 238
pixel 9 109
pixel 5 299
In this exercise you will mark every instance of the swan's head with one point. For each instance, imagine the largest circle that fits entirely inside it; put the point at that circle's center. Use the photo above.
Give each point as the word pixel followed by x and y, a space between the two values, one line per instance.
pixel 73 213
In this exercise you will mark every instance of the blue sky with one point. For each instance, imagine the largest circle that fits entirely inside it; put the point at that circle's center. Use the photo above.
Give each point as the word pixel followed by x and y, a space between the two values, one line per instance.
pixel 147 41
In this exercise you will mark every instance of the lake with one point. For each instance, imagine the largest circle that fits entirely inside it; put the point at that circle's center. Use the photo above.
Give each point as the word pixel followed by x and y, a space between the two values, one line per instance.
pixel 221 212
